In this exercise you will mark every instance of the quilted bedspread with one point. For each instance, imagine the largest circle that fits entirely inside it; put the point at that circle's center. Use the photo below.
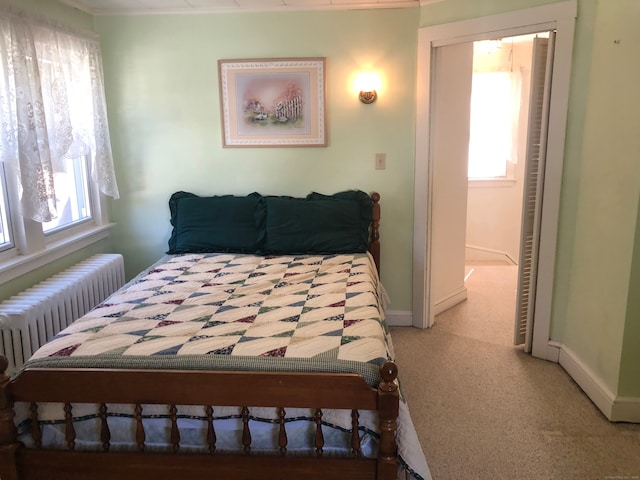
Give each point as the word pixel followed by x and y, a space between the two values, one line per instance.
pixel 237 312
pixel 217 310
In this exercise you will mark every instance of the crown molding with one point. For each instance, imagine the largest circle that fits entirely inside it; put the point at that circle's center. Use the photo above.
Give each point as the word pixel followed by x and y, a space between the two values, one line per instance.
pixel 188 10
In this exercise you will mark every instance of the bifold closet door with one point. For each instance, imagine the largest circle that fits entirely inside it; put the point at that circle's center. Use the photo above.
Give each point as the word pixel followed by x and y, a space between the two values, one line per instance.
pixel 541 70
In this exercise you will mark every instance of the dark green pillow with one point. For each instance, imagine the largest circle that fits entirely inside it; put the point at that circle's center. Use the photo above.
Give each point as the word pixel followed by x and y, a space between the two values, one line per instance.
pixel 215 224
pixel 364 202
pixel 315 225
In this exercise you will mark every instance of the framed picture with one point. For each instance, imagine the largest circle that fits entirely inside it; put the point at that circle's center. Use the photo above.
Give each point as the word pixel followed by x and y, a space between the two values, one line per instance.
pixel 276 102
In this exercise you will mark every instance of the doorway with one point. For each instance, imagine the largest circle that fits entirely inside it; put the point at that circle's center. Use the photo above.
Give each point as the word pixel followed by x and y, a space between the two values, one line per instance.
pixel 559 17
pixel 504 162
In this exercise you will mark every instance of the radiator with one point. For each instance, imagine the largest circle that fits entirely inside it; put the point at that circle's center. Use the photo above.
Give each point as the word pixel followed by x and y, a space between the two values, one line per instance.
pixel 32 317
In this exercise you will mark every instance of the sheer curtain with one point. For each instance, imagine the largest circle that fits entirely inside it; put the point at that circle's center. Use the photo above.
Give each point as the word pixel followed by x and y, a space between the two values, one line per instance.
pixel 52 106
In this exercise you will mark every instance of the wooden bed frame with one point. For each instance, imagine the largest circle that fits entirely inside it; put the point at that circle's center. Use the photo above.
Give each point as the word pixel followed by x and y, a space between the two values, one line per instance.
pixel 169 387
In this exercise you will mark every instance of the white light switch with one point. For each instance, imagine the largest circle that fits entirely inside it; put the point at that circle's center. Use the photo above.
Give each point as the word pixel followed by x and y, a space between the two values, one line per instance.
pixel 381 161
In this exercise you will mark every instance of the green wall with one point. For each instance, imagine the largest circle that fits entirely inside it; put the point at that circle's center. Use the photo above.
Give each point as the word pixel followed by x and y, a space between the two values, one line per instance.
pixel 605 228
pixel 629 384
pixel 162 93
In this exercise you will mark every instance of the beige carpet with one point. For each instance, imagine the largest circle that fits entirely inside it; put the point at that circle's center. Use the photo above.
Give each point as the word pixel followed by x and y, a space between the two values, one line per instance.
pixel 486 410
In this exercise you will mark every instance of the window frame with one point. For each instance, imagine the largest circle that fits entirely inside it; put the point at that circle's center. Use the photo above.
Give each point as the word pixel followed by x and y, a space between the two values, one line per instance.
pixel 33 249
pixel 6 214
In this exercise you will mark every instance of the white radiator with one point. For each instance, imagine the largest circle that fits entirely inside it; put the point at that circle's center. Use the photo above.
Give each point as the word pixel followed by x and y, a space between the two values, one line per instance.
pixel 32 317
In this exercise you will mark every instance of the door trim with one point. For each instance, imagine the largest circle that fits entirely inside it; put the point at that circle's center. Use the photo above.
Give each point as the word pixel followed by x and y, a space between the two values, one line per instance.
pixel 561 17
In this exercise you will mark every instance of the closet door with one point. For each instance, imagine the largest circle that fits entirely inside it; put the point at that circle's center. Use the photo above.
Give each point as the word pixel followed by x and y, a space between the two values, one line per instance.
pixel 541 72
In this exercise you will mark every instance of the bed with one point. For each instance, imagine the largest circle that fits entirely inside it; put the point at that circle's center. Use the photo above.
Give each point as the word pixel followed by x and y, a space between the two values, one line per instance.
pixel 255 348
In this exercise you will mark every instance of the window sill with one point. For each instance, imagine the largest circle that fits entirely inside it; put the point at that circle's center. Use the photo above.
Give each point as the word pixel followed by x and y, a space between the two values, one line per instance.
pixel 21 264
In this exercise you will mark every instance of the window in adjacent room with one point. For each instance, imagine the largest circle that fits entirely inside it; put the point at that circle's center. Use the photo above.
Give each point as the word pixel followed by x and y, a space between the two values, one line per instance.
pixel 495 107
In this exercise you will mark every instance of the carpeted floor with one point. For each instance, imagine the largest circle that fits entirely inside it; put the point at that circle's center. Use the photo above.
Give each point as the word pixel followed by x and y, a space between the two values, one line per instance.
pixel 485 410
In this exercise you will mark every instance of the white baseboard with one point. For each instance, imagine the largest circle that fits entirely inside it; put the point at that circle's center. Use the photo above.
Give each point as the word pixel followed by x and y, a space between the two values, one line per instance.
pixel 553 351
pixel 595 388
pixel 615 408
pixel 399 318
pixel 451 300
pixel 476 253
pixel 626 409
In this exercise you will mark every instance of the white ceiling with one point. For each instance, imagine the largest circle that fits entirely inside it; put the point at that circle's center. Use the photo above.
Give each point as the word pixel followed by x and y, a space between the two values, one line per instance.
pixel 151 7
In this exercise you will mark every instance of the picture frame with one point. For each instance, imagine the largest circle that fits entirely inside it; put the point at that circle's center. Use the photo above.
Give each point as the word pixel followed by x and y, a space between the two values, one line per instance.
pixel 278 102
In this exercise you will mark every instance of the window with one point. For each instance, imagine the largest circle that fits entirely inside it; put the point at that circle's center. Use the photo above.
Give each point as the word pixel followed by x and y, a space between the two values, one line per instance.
pixel 55 153
pixel 71 195
pixel 489 146
pixel 495 106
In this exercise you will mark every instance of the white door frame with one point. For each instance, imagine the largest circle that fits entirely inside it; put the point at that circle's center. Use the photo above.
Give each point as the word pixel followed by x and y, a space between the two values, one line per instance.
pixel 561 17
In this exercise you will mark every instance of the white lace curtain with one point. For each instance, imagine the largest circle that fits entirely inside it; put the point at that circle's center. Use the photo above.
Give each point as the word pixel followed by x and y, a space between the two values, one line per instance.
pixel 52 106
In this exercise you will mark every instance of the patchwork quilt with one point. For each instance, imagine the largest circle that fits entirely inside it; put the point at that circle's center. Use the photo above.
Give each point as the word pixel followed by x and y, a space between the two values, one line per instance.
pixel 214 310
pixel 241 312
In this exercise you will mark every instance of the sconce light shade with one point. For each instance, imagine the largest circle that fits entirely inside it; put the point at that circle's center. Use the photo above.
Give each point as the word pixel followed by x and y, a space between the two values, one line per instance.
pixel 368 97
pixel 367 84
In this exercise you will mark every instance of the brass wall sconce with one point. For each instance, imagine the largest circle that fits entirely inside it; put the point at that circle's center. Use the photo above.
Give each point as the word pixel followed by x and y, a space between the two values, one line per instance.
pixel 368 84
pixel 368 97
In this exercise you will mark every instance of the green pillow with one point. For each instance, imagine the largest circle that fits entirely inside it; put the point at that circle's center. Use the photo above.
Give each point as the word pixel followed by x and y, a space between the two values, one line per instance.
pixel 318 224
pixel 215 224
pixel 364 202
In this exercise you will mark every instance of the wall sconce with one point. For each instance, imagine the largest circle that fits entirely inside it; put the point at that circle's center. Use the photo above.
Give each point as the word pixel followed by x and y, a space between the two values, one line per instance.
pixel 368 97
pixel 368 84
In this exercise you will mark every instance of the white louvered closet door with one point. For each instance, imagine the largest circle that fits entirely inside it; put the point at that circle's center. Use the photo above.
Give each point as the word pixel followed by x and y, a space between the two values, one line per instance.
pixel 541 72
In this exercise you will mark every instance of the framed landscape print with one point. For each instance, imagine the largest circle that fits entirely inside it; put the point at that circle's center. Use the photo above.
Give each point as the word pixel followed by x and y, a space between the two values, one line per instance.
pixel 276 102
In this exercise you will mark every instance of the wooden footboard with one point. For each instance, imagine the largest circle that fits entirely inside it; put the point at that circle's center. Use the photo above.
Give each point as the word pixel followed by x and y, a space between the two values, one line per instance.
pixel 280 390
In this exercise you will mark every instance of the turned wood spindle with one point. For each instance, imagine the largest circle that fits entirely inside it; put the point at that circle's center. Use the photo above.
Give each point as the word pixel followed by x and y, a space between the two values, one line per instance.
pixel 388 408
pixel 140 434
pixel 246 433
pixel 282 435
pixel 36 433
pixel 356 451
pixel 319 436
pixel 105 433
pixel 175 432
pixel 211 432
pixel 70 431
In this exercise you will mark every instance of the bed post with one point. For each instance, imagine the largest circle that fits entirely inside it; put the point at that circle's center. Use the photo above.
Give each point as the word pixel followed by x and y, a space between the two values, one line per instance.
pixel 388 407
pixel 8 436
pixel 374 242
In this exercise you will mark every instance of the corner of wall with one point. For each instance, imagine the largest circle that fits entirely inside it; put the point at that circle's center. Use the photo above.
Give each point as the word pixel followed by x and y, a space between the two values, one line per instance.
pixel 614 407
